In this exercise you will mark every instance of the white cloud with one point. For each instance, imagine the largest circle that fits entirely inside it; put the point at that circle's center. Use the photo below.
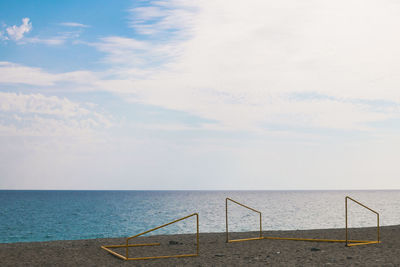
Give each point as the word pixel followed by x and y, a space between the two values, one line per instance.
pixel 11 73
pixel 74 24
pixel 243 62
pixel 109 44
pixel 48 41
pixel 125 52
pixel 39 115
pixel 15 73
pixel 173 18
pixel 39 104
pixel 167 24
pixel 17 32
pixel 277 71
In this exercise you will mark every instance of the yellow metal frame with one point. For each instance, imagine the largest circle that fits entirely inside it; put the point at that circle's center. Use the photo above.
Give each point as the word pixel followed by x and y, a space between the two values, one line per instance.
pixel 127 245
pixel 350 244
pixel 347 241
pixel 226 222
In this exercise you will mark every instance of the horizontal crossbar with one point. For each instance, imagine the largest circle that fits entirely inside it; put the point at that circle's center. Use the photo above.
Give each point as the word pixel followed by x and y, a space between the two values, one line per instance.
pixel 107 248
pixel 365 243
pixel 316 239
pixel 132 245
pixel 355 242
pixel 244 239
pixel 142 258
pixel 163 257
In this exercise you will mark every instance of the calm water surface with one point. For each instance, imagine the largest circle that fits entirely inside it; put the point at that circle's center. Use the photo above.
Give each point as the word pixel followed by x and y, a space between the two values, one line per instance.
pixel 68 215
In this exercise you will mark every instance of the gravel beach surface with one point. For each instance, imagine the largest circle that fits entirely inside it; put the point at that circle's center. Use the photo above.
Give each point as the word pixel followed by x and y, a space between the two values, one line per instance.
pixel 214 251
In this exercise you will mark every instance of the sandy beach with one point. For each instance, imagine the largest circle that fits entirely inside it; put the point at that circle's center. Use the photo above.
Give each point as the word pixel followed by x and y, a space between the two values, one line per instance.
pixel 214 251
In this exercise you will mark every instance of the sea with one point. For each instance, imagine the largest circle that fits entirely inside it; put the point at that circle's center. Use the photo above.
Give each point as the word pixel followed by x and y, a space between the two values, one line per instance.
pixel 29 216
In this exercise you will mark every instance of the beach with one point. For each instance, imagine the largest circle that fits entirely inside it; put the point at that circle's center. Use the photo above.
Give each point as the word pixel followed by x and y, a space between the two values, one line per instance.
pixel 214 251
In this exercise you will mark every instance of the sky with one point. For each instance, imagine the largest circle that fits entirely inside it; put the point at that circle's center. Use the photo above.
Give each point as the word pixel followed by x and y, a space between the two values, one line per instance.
pixel 200 95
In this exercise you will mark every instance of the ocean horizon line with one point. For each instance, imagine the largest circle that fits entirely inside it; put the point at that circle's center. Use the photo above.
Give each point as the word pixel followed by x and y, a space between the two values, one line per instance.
pixel 206 190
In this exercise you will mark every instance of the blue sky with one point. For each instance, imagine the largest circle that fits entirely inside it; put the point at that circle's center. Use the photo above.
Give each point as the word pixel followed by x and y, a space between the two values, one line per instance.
pixel 48 17
pixel 199 95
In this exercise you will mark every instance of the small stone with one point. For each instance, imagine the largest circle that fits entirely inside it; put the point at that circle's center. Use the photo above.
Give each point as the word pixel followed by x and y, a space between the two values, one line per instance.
pixel 278 252
pixel 315 249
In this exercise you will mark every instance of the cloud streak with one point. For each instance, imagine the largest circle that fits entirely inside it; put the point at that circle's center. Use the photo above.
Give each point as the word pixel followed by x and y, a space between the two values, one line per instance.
pixel 171 19
pixel 74 24
pixel 48 41
pixel 11 73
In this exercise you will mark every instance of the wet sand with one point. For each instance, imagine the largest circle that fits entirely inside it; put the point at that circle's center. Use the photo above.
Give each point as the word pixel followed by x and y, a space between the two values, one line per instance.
pixel 214 251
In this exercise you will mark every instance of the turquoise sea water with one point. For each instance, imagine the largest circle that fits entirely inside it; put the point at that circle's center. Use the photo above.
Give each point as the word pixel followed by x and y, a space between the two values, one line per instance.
pixel 27 216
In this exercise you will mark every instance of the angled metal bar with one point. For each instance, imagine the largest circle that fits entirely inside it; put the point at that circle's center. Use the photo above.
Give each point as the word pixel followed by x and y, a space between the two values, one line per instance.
pixel 127 245
pixel 226 222
pixel 350 243
pixel 113 252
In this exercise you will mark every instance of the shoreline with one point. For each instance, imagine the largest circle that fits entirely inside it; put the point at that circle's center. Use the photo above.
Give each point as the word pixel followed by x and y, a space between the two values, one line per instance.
pixel 202 233
pixel 214 251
